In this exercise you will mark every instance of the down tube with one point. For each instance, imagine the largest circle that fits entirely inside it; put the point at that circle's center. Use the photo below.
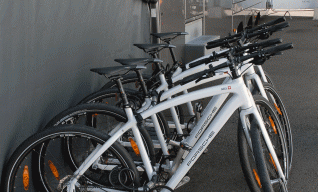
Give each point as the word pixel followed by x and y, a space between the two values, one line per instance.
pixel 213 129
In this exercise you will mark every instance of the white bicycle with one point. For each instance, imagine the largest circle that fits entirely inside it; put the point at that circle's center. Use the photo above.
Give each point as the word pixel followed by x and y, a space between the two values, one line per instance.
pixel 111 160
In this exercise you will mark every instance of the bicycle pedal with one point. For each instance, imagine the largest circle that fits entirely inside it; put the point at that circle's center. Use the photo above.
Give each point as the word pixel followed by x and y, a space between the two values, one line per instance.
pixel 184 181
pixel 185 146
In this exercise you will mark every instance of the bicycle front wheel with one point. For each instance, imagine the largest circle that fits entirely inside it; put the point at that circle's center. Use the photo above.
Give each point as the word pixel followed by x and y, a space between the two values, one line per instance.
pixel 250 168
pixel 281 112
pixel 25 171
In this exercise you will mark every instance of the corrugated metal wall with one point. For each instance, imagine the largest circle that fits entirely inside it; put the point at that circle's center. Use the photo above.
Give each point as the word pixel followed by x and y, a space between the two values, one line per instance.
pixel 46 50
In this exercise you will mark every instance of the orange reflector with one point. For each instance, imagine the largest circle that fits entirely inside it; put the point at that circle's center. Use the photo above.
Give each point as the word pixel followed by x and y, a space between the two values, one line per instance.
pixel 234 30
pixel 94 115
pixel 257 178
pixel 26 178
pixel 106 102
pixel 272 161
pixel 136 84
pixel 134 146
pixel 116 97
pixel 54 170
pixel 278 109
pixel 272 124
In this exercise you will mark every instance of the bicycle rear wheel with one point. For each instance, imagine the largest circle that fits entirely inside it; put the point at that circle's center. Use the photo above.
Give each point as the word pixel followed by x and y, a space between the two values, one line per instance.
pixel 131 80
pixel 107 119
pixel 135 98
pixel 27 171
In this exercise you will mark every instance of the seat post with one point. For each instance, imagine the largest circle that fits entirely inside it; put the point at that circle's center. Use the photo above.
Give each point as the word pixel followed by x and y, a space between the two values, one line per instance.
pixel 122 92
pixel 142 83
pixel 156 56
pixel 172 54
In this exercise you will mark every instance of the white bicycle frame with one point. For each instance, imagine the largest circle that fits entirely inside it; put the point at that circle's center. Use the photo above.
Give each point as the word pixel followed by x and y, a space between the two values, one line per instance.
pixel 179 75
pixel 241 99
pixel 248 72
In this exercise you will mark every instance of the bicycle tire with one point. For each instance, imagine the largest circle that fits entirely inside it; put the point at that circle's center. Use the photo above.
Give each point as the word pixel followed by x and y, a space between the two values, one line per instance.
pixel 109 116
pixel 131 79
pixel 249 167
pixel 276 101
pixel 135 99
pixel 281 112
pixel 260 160
pixel 20 171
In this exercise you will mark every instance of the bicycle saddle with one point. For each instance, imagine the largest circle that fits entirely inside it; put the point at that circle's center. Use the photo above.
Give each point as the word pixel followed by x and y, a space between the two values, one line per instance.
pixel 138 61
pixel 166 37
pixel 153 47
pixel 116 71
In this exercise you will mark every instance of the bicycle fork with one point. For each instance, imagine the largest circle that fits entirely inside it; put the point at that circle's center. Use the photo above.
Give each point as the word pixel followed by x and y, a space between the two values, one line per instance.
pixel 253 111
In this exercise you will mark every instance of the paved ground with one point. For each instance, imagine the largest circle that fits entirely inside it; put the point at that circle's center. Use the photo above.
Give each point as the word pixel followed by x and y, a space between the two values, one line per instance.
pixel 295 77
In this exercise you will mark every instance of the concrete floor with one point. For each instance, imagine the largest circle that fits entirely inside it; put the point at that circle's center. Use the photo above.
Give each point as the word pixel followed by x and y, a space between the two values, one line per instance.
pixel 295 77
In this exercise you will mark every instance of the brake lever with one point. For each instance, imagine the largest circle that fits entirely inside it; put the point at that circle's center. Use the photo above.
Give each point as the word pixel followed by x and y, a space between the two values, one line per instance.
pixel 209 74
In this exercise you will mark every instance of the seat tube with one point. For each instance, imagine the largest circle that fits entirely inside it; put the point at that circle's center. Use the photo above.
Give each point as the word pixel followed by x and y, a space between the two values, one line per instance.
pixel 140 144
pixel 160 135
pixel 172 109
pixel 189 105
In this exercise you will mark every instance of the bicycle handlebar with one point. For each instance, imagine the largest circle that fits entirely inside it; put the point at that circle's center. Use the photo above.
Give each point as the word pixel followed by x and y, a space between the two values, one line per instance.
pixel 210 46
pixel 271 29
pixel 236 50
pixel 266 52
pixel 250 32
pixel 193 77
pixel 259 45
pixel 200 62
pixel 274 22
pixel 259 55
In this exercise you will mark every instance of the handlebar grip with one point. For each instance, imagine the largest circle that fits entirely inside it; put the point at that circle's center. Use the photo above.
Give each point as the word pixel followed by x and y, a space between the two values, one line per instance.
pixel 279 48
pixel 278 27
pixel 270 42
pixel 246 57
pixel 224 39
pixel 267 52
pixel 210 46
pixel 259 45
pixel 193 77
pixel 220 66
pixel 274 22
pixel 200 62
pixel 271 29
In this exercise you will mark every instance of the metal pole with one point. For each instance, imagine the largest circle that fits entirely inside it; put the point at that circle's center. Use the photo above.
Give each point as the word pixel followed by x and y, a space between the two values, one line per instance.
pixel 154 20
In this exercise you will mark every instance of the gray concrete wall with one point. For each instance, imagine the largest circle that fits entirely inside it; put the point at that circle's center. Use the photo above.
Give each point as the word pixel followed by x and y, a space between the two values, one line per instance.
pixel 46 50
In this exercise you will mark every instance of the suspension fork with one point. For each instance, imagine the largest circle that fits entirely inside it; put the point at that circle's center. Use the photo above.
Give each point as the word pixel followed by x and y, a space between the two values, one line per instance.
pixel 251 75
pixel 253 111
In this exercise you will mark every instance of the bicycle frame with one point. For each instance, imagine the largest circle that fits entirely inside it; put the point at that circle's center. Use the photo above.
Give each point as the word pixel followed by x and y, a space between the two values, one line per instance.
pixel 199 139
